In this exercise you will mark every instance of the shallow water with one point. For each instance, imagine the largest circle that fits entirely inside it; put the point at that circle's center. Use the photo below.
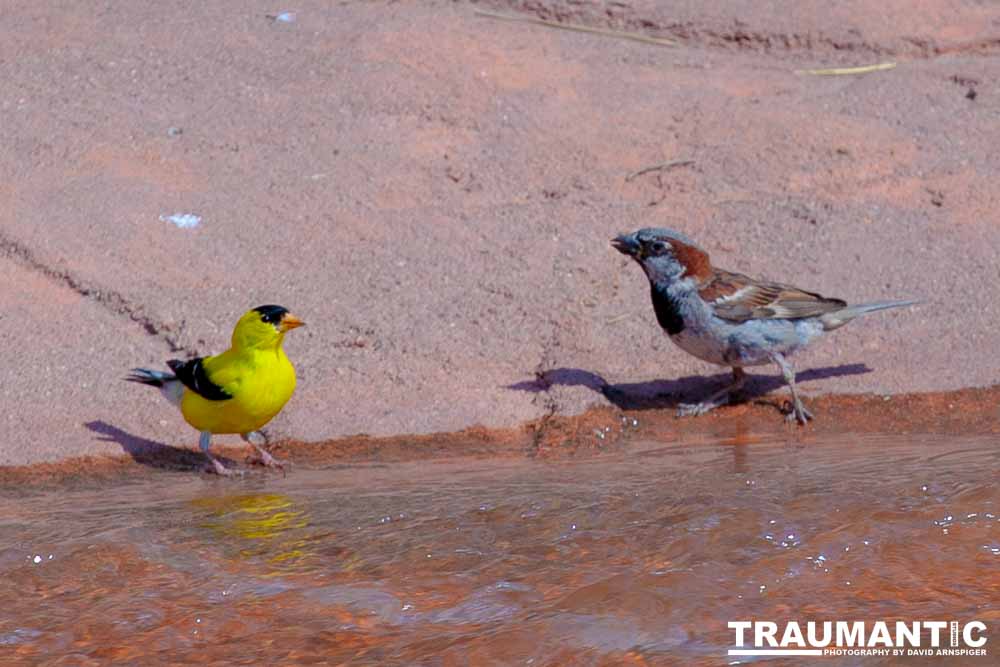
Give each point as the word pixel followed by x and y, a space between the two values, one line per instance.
pixel 637 557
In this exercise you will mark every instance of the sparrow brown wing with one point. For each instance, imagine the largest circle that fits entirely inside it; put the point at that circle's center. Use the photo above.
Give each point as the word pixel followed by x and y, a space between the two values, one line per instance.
pixel 738 298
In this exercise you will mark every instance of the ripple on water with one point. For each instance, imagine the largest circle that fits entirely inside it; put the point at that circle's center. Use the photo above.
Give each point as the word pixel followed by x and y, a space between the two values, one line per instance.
pixel 641 556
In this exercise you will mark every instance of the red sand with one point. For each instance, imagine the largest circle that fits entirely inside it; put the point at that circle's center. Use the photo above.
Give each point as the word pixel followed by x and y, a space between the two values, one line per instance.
pixel 433 191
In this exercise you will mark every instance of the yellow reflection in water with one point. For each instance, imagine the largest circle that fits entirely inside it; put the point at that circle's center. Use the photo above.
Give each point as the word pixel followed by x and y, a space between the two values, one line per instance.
pixel 268 525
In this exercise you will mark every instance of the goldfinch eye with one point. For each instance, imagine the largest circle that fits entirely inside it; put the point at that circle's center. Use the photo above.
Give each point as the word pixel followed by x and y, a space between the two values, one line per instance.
pixel 271 314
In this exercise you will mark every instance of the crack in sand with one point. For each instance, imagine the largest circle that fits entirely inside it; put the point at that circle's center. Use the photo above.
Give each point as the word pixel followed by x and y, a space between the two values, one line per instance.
pixel 545 399
pixel 742 37
pixel 109 299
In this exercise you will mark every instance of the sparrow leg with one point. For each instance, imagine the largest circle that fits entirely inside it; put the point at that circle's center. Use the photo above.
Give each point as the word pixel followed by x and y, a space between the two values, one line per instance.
pixel 204 442
pixel 720 397
pixel 258 440
pixel 799 411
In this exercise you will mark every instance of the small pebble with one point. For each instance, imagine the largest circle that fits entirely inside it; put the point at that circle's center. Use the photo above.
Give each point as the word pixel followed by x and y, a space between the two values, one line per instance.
pixel 183 220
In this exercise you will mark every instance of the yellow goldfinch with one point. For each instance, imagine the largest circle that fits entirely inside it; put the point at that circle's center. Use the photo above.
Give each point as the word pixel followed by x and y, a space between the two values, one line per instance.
pixel 237 391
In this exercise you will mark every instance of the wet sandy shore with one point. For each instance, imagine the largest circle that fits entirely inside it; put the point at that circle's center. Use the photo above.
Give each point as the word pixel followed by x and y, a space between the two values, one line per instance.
pixel 598 432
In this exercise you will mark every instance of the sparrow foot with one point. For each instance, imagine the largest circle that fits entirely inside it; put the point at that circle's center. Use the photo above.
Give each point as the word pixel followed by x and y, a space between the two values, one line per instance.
pixel 695 409
pixel 721 397
pixel 797 412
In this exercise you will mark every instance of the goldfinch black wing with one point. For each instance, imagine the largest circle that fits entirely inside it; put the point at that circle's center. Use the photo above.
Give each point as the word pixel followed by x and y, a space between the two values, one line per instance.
pixel 194 376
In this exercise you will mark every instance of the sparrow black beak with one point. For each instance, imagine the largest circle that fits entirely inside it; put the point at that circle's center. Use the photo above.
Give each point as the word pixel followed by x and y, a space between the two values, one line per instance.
pixel 626 244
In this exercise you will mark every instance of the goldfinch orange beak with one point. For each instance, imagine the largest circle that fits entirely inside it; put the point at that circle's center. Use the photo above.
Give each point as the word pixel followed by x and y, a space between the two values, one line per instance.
pixel 289 322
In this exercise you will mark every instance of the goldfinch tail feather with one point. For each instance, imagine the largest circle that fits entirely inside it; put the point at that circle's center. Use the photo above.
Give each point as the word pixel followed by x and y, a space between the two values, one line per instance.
pixel 150 377
pixel 167 383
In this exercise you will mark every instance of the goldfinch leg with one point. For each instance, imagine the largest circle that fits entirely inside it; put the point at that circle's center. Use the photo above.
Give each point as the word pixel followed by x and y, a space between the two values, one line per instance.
pixel 720 397
pixel 205 441
pixel 257 440
pixel 799 412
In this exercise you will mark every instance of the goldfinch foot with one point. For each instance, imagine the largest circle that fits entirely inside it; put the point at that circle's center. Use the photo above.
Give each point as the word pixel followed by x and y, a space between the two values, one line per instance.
pixel 269 461
pixel 215 466
pixel 257 439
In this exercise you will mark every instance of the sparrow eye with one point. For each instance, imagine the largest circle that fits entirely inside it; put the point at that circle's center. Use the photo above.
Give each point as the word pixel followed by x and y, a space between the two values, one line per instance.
pixel 658 247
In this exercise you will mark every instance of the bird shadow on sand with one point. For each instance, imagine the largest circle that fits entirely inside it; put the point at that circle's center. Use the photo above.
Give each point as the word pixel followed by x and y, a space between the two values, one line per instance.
pixel 151 453
pixel 662 394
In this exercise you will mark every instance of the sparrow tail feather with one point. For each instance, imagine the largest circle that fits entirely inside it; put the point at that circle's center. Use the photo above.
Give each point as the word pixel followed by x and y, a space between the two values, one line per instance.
pixel 839 318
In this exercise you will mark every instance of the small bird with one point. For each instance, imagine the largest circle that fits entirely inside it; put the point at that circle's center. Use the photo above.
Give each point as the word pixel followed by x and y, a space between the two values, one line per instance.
pixel 238 391
pixel 729 319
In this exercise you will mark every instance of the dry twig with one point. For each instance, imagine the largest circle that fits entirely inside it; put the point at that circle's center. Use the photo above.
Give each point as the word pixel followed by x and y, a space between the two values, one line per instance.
pixel 620 318
pixel 658 167
pixel 635 37
pixel 840 71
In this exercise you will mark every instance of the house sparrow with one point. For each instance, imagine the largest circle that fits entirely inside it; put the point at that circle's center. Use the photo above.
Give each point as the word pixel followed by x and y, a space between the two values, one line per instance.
pixel 729 319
